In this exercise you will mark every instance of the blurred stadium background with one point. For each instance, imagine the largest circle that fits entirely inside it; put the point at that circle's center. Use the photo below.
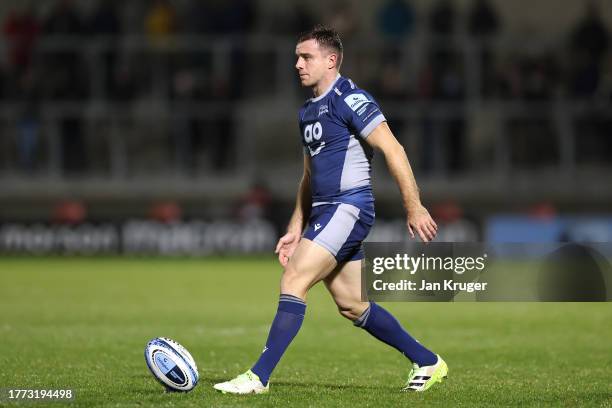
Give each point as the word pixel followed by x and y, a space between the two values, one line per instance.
pixel 171 126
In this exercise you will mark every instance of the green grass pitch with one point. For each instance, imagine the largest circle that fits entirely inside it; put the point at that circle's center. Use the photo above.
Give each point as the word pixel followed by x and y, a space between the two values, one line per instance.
pixel 83 324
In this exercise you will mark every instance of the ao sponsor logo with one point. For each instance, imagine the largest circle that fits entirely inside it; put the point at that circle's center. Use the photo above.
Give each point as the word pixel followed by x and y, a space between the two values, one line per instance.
pixel 313 133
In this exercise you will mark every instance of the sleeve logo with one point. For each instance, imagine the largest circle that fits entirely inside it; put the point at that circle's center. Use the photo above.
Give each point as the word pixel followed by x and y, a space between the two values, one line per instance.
pixel 354 101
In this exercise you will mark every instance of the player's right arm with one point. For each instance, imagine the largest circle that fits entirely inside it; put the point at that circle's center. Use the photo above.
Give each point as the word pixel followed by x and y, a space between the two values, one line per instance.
pixel 362 114
pixel 287 243
pixel 418 218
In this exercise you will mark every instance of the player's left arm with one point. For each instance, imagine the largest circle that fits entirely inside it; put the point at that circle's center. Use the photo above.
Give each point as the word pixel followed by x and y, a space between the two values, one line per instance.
pixel 418 218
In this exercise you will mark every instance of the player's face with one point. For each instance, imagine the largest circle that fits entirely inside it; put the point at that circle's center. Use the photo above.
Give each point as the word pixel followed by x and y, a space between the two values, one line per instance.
pixel 312 62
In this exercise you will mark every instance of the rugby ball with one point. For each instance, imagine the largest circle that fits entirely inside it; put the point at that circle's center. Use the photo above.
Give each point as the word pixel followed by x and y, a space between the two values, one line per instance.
pixel 171 364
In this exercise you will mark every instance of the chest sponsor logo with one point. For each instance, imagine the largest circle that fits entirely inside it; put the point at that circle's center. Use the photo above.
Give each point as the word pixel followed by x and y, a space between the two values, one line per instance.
pixel 313 132
pixel 312 138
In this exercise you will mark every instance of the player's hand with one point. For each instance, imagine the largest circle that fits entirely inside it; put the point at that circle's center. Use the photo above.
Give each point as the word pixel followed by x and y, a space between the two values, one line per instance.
pixel 286 246
pixel 420 221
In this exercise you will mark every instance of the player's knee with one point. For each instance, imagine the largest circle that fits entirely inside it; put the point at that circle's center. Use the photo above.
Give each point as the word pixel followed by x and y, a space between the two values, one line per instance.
pixel 352 311
pixel 348 314
pixel 293 281
pixel 290 275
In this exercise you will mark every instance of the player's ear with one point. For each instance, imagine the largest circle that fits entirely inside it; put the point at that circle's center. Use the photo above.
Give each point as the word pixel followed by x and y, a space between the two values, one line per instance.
pixel 332 60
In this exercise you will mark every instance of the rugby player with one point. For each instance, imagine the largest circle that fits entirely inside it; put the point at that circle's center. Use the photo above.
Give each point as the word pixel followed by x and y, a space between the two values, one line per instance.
pixel 340 127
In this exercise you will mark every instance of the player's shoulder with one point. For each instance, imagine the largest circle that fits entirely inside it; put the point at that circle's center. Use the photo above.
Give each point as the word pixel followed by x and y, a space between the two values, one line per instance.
pixel 348 95
pixel 343 94
pixel 346 86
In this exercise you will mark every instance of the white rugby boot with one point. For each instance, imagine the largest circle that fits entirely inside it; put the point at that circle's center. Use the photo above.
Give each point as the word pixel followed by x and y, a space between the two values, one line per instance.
pixel 422 378
pixel 247 383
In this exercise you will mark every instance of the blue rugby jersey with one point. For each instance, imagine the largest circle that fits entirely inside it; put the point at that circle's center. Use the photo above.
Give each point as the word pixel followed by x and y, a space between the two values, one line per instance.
pixel 334 127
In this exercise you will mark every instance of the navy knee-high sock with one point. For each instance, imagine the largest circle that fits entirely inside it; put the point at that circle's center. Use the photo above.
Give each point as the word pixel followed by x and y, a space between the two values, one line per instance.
pixel 381 324
pixel 285 326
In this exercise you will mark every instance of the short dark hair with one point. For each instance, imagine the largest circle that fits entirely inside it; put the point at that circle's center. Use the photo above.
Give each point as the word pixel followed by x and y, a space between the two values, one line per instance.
pixel 326 37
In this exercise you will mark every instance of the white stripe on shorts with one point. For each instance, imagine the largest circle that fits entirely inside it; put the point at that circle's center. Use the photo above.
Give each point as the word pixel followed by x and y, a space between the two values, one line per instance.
pixel 338 229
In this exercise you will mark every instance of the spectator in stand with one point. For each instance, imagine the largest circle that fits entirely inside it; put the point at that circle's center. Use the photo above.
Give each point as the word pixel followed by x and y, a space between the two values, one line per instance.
pixel 483 23
pixel 442 79
pixel 539 78
pixel 105 19
pixel 64 20
pixel 446 81
pixel 396 20
pixel 236 18
pixel 591 34
pixel 442 18
pixel 28 140
pixel 605 87
pixel 392 84
pixel 65 76
pixel 255 204
pixel 160 22
pixel 343 19
pixel 4 81
pixel 69 211
pixel 166 212
pixel 482 19
pixel 589 44
pixel 104 22
pixel 185 133
pixel 21 30
pixel 199 17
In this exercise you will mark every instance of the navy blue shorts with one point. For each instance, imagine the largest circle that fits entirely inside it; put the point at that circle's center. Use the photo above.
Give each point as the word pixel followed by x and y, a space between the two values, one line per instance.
pixel 340 228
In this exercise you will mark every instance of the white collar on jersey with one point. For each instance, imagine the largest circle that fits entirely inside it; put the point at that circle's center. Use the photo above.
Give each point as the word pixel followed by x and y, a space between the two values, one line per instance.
pixel 318 98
